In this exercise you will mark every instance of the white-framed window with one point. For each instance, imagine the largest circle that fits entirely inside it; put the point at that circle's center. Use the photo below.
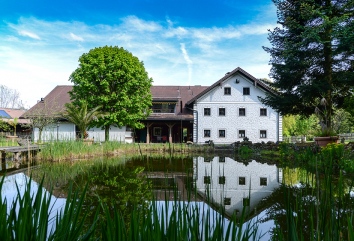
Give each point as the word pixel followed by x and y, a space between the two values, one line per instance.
pixel 246 90
pixel 222 111
pixel 263 134
pixel 222 133
pixel 242 181
pixel 207 112
pixel 227 201
pixel 246 201
pixel 207 180
pixel 222 180
pixel 263 112
pixel 263 181
pixel 241 133
pixel 206 133
pixel 242 111
pixel 227 91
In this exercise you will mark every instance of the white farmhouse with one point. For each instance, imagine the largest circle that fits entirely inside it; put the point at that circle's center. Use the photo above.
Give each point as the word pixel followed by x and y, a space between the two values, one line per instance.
pixel 230 110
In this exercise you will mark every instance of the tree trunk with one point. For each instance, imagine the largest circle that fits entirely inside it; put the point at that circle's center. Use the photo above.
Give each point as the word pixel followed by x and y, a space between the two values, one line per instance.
pixel 106 133
pixel 328 64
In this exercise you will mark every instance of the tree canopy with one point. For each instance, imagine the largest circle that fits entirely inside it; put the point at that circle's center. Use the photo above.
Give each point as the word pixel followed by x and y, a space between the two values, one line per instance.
pixel 312 56
pixel 111 77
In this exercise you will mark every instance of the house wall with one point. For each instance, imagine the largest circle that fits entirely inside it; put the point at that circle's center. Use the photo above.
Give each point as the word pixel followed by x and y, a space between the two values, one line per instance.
pixel 232 171
pixel 115 134
pixel 252 123
pixel 63 131
pixel 66 131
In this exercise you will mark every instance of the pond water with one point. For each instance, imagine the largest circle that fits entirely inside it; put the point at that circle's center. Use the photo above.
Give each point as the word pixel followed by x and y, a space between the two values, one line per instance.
pixel 257 188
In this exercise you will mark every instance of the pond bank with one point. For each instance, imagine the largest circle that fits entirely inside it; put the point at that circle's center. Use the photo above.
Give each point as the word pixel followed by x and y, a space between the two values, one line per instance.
pixel 69 151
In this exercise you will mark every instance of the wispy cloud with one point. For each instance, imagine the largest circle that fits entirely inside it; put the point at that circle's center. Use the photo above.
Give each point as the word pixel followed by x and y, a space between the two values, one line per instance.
pixel 50 51
pixel 188 61
pixel 28 34
pixel 76 38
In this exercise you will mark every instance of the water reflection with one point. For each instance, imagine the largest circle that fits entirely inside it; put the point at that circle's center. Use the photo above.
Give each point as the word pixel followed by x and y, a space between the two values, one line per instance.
pixel 221 180
pixel 233 184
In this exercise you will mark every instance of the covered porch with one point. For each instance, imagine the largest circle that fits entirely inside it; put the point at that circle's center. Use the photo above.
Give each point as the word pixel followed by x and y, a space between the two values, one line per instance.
pixel 158 131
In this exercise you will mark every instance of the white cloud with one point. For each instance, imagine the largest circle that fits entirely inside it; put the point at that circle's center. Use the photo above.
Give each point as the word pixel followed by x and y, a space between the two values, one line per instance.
pixel 35 67
pixel 76 38
pixel 134 23
pixel 28 34
pixel 188 61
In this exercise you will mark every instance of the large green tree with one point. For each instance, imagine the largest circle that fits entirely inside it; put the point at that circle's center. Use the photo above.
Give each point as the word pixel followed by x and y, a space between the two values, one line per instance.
pixel 312 56
pixel 111 77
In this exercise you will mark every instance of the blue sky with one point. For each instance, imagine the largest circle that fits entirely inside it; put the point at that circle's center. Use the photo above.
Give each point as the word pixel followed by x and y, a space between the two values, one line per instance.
pixel 185 42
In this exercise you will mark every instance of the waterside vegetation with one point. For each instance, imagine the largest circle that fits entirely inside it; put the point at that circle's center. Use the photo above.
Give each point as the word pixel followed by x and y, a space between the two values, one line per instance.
pixel 320 207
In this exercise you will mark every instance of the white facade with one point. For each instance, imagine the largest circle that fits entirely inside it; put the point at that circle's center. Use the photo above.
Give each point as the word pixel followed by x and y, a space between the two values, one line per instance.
pixel 65 131
pixel 230 183
pixel 231 111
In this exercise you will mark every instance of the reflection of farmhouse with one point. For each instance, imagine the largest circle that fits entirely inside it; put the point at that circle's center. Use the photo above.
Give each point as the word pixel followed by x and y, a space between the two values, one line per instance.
pixel 234 184
pixel 224 112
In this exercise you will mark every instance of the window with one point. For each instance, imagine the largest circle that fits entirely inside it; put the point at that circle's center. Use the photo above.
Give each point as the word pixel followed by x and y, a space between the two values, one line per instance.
pixel 206 133
pixel 241 133
pixel 246 91
pixel 242 111
pixel 157 131
pixel 241 181
pixel 227 201
pixel 222 180
pixel 222 111
pixel 263 181
pixel 206 111
pixel 206 179
pixel 207 159
pixel 263 112
pixel 263 134
pixel 246 202
pixel 163 107
pixel 227 91
pixel 222 133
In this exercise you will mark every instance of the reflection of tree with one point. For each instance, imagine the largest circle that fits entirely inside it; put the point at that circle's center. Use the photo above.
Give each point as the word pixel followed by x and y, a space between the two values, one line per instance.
pixel 112 187
pixel 308 213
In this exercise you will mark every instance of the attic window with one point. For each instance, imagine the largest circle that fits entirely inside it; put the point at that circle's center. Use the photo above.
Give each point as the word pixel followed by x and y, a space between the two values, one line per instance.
pixel 246 91
pixel 227 91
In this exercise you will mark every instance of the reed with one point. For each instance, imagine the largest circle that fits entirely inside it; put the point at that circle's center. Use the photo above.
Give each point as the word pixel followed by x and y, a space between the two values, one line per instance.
pixel 30 217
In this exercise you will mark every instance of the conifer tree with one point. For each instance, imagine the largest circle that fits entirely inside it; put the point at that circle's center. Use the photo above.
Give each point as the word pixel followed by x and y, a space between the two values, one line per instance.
pixel 312 56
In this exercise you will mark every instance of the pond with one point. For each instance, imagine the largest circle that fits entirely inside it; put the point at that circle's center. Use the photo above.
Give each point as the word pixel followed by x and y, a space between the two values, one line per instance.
pixel 251 191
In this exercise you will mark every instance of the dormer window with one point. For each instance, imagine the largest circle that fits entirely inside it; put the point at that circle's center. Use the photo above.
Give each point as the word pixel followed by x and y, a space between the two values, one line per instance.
pixel 163 107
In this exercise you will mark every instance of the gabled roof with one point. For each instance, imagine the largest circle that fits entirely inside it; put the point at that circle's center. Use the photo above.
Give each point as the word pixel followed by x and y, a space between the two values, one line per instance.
pixel 238 70
pixel 52 104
